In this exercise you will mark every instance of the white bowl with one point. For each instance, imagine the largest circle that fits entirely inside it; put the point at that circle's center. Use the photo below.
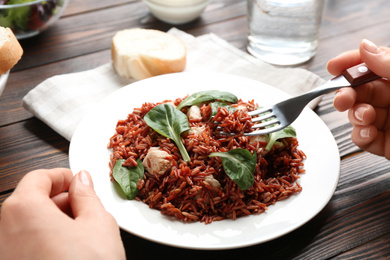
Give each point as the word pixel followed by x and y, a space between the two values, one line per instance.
pixel 176 11
pixel 3 81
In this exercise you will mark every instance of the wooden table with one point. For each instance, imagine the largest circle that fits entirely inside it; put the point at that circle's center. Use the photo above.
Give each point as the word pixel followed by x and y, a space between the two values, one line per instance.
pixel 354 224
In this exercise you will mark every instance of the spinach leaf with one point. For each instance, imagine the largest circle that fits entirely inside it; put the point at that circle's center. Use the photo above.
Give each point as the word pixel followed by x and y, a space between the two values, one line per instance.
pixel 207 95
pixel 239 164
pixel 218 104
pixel 169 122
pixel 127 177
pixel 289 131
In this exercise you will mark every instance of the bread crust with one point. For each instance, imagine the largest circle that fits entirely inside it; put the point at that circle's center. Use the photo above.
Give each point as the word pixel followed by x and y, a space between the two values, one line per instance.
pixel 10 50
pixel 144 53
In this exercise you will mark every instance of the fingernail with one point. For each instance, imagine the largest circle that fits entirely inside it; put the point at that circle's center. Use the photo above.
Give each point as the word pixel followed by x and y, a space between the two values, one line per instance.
pixel 84 178
pixel 371 47
pixel 359 113
pixel 365 132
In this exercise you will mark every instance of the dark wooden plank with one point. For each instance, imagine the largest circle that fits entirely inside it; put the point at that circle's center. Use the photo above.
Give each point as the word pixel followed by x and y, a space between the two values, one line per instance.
pixel 341 17
pixel 376 249
pixel 82 6
pixel 343 28
pixel 330 47
pixel 358 211
pixel 362 176
pixel 27 146
pixel 352 227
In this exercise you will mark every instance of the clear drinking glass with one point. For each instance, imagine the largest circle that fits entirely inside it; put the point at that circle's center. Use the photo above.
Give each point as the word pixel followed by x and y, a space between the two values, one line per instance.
pixel 284 32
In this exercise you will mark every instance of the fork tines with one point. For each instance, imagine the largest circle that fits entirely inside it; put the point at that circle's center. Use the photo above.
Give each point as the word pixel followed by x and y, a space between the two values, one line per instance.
pixel 266 119
pixel 265 115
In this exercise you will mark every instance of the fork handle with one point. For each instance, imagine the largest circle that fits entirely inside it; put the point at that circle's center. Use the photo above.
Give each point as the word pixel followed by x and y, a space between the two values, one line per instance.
pixel 359 75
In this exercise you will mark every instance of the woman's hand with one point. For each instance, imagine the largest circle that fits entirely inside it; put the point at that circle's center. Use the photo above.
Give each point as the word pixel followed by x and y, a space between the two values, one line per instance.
pixel 368 105
pixel 41 220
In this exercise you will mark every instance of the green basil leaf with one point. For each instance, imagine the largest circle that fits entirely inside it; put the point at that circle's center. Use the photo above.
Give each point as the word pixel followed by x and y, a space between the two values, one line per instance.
pixel 289 131
pixel 169 122
pixel 218 104
pixel 239 165
pixel 127 177
pixel 208 95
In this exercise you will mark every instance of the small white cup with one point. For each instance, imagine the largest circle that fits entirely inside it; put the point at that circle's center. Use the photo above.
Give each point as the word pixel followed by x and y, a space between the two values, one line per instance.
pixel 176 11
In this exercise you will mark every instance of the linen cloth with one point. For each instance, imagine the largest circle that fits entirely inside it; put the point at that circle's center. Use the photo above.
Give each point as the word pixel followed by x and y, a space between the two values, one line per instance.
pixel 62 101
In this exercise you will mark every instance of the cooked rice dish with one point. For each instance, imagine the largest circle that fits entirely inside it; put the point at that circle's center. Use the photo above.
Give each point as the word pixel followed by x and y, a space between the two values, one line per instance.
pixel 199 188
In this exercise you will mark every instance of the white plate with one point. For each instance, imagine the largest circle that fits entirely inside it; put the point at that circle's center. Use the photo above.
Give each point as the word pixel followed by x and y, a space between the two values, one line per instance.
pixel 88 150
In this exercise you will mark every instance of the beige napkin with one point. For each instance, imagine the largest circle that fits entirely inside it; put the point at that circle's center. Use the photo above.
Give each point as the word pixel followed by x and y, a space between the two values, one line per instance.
pixel 62 101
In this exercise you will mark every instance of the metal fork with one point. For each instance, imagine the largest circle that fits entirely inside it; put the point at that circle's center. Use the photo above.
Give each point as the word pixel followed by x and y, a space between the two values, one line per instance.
pixel 281 115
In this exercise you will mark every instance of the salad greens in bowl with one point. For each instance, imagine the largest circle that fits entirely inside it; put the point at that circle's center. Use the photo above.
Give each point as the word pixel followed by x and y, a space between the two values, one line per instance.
pixel 27 18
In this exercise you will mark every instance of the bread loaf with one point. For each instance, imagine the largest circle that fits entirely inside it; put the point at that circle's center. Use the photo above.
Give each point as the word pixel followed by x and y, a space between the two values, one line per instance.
pixel 10 50
pixel 143 53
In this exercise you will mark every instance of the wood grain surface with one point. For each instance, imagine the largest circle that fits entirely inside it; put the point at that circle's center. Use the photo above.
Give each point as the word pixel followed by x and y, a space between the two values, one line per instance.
pixel 355 224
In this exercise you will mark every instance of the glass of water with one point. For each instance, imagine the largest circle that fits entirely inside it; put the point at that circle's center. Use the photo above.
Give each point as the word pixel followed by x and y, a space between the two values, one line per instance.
pixel 284 32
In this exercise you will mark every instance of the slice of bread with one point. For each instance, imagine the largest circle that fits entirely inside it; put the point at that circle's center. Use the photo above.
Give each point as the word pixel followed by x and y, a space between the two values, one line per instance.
pixel 144 53
pixel 10 50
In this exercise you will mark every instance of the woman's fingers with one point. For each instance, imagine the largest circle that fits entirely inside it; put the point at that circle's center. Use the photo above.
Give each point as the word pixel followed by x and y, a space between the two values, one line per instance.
pixel 362 115
pixel 376 58
pixel 62 202
pixel 371 140
pixel 45 182
pixel 344 99
pixel 83 200
pixel 348 59
pixel 366 137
